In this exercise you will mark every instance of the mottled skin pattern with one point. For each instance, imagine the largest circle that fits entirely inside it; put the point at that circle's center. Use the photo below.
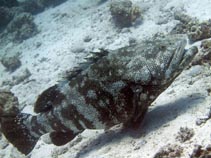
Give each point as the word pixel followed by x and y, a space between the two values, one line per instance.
pixel 116 88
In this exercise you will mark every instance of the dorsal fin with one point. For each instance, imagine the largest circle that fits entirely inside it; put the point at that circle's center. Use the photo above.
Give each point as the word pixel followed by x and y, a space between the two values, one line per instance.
pixel 91 59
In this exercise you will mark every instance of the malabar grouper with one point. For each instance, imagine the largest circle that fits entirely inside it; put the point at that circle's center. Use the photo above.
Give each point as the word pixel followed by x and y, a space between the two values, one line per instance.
pixel 110 88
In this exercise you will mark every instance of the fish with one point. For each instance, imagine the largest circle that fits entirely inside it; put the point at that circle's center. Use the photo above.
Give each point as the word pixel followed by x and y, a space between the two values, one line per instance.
pixel 112 87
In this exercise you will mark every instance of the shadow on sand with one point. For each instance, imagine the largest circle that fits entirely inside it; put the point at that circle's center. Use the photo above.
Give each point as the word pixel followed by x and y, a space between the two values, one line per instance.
pixel 156 118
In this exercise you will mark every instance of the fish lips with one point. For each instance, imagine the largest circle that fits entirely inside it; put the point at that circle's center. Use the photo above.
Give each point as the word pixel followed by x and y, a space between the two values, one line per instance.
pixel 180 59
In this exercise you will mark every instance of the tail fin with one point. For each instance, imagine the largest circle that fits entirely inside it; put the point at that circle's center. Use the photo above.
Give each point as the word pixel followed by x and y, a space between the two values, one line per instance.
pixel 17 133
pixel 12 123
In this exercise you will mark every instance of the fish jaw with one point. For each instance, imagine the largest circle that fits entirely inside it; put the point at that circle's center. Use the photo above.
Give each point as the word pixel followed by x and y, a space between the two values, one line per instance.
pixel 180 61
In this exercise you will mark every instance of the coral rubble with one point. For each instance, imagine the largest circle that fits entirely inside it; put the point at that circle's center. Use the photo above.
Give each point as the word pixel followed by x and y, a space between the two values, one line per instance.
pixel 170 150
pixel 185 134
pixel 200 152
pixel 195 29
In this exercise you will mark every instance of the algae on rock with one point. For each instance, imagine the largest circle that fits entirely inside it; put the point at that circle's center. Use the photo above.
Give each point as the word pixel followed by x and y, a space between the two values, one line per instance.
pixel 22 27
pixel 195 29
pixel 124 13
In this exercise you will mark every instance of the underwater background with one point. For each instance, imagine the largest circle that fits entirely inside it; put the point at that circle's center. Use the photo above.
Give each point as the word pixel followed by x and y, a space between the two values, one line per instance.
pixel 42 40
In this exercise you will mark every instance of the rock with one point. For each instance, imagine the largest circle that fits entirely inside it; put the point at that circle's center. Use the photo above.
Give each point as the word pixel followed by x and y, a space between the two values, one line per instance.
pixel 184 134
pixel 200 152
pixel 87 38
pixel 32 6
pixel 192 27
pixel 5 16
pixel 37 6
pixel 204 56
pixel 169 151
pixel 204 119
pixel 183 18
pixel 124 13
pixel 11 63
pixel 200 31
pixel 132 41
pixel 38 44
pixel 22 27
pixel 8 104
pixel 8 3
pixel 200 121
pixel 21 76
pixel 78 48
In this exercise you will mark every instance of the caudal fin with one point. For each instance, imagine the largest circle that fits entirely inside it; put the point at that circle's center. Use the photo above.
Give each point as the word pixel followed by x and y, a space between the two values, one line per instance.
pixel 17 133
pixel 12 123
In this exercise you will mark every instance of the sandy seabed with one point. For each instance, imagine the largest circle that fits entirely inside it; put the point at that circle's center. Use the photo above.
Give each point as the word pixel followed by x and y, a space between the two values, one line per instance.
pixel 61 45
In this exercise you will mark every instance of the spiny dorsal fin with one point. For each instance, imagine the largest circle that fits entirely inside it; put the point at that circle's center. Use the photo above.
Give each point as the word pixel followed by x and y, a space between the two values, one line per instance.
pixel 91 59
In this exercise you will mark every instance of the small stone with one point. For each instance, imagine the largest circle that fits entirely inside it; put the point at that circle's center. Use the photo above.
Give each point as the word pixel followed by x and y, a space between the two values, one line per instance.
pixel 185 134
pixel 78 49
pixel 140 144
pixel 200 121
pixel 38 44
pixel 43 59
pixel 87 39
pixel 11 63
pixel 132 41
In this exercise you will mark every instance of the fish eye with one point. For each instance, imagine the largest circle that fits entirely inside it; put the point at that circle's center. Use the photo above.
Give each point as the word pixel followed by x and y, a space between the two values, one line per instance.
pixel 162 47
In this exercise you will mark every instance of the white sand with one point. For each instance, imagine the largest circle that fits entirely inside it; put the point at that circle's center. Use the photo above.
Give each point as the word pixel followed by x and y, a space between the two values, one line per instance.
pixel 62 33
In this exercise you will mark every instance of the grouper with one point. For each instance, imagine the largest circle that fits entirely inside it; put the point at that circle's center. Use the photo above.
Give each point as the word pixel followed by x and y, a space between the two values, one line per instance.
pixel 111 87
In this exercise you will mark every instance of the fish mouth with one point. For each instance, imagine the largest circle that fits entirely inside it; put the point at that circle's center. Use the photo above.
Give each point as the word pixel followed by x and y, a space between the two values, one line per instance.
pixel 180 59
pixel 176 59
pixel 188 56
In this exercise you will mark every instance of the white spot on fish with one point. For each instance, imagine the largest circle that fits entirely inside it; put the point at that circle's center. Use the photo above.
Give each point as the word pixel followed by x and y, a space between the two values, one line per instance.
pixel 143 96
pixel 92 94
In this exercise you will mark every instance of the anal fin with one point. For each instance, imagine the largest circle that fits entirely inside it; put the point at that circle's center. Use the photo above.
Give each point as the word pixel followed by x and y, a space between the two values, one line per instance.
pixel 61 138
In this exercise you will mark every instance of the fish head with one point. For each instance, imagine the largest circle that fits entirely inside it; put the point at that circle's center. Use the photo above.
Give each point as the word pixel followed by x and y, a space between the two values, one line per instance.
pixel 158 62
pixel 173 59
